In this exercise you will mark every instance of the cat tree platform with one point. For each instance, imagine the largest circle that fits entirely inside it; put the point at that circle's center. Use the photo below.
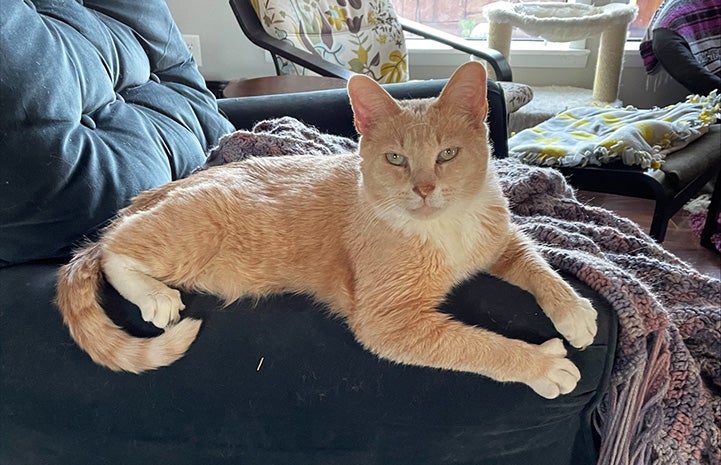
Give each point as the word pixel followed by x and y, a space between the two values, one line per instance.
pixel 564 22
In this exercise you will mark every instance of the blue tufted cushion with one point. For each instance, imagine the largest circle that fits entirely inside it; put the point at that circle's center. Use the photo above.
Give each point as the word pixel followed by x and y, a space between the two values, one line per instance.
pixel 99 100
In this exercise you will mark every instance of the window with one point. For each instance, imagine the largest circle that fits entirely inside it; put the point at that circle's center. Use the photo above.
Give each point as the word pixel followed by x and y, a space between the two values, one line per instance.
pixel 646 9
pixel 465 17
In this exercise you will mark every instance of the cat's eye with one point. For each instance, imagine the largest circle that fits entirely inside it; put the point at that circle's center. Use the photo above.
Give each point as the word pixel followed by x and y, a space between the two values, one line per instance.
pixel 396 159
pixel 447 154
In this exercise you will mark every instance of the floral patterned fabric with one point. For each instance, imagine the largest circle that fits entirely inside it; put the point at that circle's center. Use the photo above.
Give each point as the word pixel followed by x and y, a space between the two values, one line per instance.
pixel 516 95
pixel 361 35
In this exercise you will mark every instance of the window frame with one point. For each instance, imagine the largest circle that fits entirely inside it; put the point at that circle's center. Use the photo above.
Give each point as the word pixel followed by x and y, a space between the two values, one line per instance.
pixel 524 53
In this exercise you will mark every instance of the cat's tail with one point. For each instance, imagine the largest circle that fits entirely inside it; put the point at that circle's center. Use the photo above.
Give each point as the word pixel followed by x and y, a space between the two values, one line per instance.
pixel 107 344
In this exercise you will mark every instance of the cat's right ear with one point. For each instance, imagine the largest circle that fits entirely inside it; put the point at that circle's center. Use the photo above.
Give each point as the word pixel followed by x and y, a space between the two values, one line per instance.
pixel 370 103
pixel 465 91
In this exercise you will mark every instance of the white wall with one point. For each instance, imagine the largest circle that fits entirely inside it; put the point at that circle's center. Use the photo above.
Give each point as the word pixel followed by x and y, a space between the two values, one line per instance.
pixel 228 55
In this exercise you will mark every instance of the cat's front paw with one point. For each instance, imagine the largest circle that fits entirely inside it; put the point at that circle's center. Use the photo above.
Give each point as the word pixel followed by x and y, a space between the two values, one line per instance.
pixel 578 325
pixel 161 307
pixel 559 374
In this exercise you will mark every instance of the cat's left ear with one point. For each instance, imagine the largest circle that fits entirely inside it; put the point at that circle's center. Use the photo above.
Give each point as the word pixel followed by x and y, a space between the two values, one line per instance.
pixel 370 103
pixel 466 91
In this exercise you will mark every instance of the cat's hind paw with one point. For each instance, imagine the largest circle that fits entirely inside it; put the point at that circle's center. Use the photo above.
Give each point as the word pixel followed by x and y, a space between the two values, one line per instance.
pixel 579 325
pixel 161 307
pixel 560 375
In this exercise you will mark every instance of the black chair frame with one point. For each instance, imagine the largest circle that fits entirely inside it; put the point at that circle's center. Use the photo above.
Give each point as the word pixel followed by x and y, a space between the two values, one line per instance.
pixel 253 29
pixel 659 186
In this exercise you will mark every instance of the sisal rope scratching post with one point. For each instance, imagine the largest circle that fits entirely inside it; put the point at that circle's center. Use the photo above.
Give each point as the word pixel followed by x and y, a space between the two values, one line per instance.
pixel 567 22
pixel 610 60
pixel 499 37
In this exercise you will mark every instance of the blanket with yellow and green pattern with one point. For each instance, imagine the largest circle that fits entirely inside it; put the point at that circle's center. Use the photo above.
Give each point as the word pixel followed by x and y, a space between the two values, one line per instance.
pixel 602 135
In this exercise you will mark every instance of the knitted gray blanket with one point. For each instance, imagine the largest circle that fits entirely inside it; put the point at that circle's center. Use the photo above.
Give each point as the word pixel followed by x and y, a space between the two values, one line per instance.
pixel 664 404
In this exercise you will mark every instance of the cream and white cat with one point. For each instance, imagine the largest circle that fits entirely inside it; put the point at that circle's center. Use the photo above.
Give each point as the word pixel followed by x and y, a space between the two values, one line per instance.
pixel 380 236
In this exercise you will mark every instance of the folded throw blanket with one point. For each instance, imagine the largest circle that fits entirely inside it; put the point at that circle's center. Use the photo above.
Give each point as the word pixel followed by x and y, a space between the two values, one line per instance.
pixel 272 138
pixel 596 136
pixel 664 404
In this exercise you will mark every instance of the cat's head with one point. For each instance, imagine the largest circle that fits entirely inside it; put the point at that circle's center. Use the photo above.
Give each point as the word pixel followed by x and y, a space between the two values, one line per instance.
pixel 421 158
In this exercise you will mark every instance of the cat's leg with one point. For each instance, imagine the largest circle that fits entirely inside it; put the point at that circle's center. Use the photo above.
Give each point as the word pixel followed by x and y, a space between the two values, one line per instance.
pixel 573 316
pixel 422 336
pixel 158 303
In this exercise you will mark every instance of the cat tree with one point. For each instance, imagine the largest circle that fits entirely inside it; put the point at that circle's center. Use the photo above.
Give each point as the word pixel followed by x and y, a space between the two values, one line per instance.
pixel 566 22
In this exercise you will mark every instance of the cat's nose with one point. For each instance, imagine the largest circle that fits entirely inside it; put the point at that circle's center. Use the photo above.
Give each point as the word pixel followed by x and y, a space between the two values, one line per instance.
pixel 424 190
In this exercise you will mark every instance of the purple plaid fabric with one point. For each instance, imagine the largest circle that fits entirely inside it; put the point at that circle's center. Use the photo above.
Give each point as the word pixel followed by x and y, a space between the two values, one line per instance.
pixel 697 21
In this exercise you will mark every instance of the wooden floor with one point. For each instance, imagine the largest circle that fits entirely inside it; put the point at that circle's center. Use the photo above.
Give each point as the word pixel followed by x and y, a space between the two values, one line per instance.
pixel 680 239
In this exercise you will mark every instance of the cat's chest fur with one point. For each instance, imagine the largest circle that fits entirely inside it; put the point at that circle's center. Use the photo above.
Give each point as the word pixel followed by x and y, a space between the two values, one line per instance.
pixel 457 244
pixel 468 242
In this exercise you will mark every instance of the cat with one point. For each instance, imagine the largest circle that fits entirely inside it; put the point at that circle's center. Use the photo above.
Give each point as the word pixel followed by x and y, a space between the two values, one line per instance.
pixel 415 212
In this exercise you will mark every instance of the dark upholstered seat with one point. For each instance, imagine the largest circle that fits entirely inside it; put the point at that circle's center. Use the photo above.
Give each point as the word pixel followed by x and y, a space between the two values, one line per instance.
pixel 100 100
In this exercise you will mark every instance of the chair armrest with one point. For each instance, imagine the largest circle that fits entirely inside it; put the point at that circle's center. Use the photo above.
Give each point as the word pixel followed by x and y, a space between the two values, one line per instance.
pixel 330 110
pixel 253 29
pixel 495 58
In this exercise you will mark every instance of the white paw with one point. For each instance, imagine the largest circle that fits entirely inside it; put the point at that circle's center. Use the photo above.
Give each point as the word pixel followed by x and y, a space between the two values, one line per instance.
pixel 161 307
pixel 579 325
pixel 560 376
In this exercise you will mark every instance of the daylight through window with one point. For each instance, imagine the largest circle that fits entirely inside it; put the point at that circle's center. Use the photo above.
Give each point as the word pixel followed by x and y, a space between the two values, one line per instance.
pixel 465 17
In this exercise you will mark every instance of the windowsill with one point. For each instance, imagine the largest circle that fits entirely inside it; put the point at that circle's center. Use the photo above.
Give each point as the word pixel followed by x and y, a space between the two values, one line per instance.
pixel 524 54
